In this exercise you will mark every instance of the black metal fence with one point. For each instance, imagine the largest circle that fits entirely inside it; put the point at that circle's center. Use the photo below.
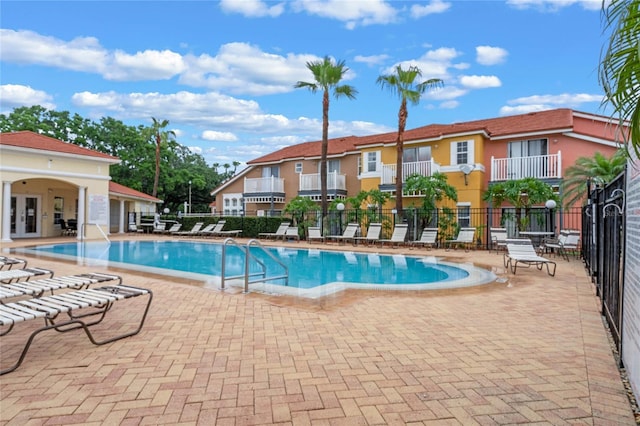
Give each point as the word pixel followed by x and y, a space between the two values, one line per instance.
pixel 603 248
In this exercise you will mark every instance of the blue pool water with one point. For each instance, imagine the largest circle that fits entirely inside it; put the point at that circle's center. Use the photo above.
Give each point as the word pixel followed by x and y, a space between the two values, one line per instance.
pixel 307 268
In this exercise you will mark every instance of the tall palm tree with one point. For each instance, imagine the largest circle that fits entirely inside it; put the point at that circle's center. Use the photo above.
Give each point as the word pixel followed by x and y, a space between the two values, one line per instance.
pixel 620 65
pixel 403 83
pixel 327 76
pixel 598 169
pixel 160 136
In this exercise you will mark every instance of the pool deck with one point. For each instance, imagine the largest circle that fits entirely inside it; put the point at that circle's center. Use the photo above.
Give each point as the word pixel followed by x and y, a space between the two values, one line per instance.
pixel 527 349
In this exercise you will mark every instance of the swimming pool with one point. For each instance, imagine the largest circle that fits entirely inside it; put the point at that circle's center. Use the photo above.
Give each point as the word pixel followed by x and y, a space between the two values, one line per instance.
pixel 312 273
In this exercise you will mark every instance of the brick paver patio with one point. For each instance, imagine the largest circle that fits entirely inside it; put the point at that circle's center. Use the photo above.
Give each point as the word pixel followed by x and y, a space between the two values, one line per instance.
pixel 531 350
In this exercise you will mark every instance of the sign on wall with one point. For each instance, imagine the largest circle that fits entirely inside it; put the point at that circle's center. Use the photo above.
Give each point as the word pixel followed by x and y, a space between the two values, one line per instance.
pixel 98 209
pixel 631 296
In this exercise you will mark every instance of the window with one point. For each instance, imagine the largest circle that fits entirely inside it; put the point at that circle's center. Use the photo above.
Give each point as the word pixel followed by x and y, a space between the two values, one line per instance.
pixel 333 166
pixel 413 155
pixel 271 171
pixel 462 153
pixel 464 216
pixel 372 161
pixel 298 167
pixel 58 209
pixel 528 148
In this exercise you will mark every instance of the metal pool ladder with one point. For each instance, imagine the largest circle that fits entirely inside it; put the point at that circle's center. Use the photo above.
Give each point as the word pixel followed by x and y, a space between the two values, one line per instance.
pixel 249 277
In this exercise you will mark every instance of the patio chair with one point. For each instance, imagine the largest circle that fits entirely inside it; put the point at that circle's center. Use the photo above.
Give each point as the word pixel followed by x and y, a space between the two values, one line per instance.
pixel 66 230
pixel 174 228
pixel 159 227
pixel 38 288
pixel 498 238
pixel 522 251
pixel 291 234
pixel 428 239
pixel 373 234
pixel 465 238
pixel 349 234
pixel 194 231
pixel 206 230
pixel 25 274
pixel 10 262
pixel 282 229
pixel 567 241
pixel 219 230
pixel 70 311
pixel 398 236
pixel 315 234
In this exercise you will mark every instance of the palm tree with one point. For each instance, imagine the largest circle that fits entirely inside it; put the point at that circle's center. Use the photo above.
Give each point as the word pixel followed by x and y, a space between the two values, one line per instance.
pixel 327 76
pixel 620 65
pixel 403 83
pixel 159 136
pixel 597 169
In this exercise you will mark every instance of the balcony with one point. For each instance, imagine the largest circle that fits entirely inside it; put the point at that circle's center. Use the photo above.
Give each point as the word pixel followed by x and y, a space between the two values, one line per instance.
pixel 310 185
pixel 537 166
pixel 424 168
pixel 263 190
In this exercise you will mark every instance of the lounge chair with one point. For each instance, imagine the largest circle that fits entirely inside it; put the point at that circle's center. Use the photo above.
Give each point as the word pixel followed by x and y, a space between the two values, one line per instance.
pixel 68 311
pixel 465 238
pixel 174 228
pixel 219 230
pixel 24 274
pixel 349 234
pixel 11 262
pixel 291 234
pixel 567 241
pixel 37 288
pixel 194 231
pixel 206 230
pixel 398 236
pixel 373 234
pixel 282 229
pixel 428 239
pixel 315 234
pixel 159 227
pixel 498 238
pixel 522 251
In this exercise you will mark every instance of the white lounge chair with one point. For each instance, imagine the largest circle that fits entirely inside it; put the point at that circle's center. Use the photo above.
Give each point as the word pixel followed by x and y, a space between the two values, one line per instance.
pixel 349 234
pixel 282 229
pixel 291 234
pixel 498 238
pixel 428 239
pixel 398 236
pixel 194 231
pixel 567 241
pixel 315 234
pixel 11 262
pixel 373 234
pixel 24 274
pixel 522 251
pixel 465 238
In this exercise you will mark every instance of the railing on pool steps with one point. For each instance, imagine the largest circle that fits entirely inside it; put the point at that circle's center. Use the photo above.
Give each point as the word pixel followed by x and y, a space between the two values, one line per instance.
pixel 247 275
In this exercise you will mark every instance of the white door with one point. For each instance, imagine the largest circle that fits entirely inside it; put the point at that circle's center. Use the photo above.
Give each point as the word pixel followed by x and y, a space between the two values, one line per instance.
pixel 25 216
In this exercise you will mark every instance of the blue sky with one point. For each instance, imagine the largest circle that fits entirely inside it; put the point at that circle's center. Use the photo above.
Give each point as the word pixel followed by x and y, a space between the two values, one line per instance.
pixel 223 72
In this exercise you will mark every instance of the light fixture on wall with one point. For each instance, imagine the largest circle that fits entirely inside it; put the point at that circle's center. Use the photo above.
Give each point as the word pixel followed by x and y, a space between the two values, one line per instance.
pixel 466 169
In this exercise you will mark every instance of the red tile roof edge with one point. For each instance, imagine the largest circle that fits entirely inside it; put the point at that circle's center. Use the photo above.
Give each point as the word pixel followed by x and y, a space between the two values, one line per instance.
pixel 116 188
pixel 32 140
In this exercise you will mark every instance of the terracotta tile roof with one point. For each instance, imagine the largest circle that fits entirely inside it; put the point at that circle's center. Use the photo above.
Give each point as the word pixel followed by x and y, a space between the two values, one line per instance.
pixel 32 140
pixel 117 189
pixel 336 146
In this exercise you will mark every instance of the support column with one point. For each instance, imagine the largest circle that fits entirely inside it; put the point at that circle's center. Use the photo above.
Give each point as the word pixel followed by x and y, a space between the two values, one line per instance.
pixel 121 223
pixel 82 195
pixel 6 212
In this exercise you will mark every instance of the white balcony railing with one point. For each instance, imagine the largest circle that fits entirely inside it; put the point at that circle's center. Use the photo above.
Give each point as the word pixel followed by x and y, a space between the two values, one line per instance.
pixel 311 182
pixel 265 184
pixel 424 168
pixel 537 166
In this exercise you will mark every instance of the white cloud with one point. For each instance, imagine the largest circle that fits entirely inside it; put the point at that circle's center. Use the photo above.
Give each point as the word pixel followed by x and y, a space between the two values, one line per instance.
pixel 252 8
pixel 446 93
pixel 16 95
pixel 480 81
pixel 212 135
pixel 555 5
pixel 449 105
pixel 371 60
pixel 489 55
pixel 435 6
pixel 353 13
pixel 147 65
pixel 545 102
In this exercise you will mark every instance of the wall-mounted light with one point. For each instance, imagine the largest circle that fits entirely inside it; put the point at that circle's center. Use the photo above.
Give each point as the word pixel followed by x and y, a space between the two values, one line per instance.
pixel 466 169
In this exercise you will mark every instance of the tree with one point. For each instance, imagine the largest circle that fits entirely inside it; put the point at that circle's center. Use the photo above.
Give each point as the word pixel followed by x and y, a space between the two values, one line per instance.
pixel 620 66
pixel 597 169
pixel 159 136
pixel 403 83
pixel 327 76
pixel 521 194
pixel 433 190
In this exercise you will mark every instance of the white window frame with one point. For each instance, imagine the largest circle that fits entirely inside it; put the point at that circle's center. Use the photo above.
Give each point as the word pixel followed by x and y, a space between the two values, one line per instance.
pixel 470 152
pixel 465 206
pixel 298 168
